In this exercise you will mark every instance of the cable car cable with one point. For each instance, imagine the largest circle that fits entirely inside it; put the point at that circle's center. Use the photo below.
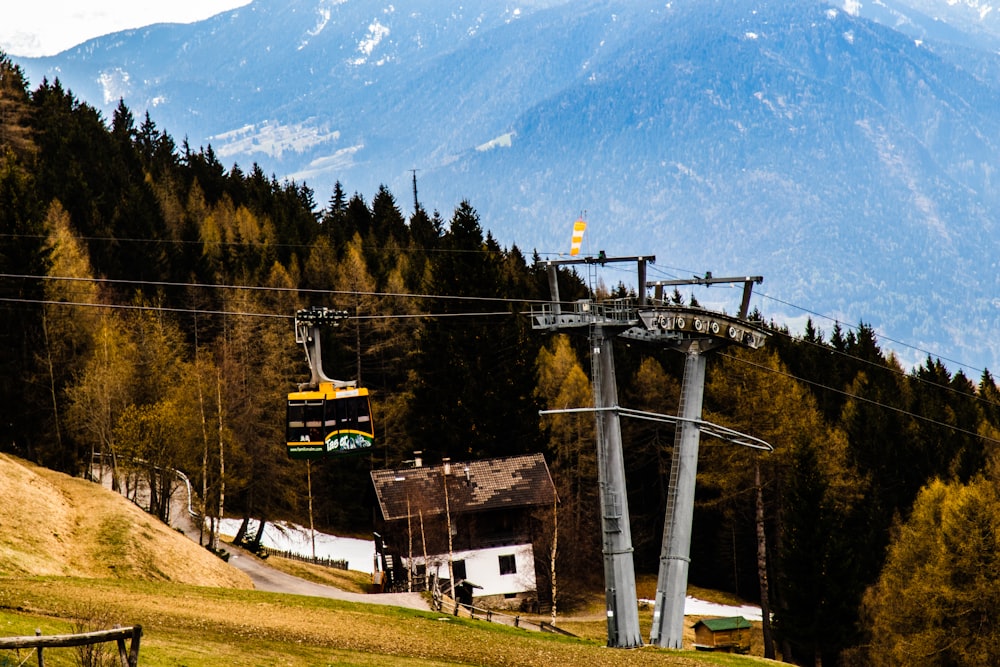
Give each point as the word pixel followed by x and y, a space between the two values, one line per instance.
pixel 862 399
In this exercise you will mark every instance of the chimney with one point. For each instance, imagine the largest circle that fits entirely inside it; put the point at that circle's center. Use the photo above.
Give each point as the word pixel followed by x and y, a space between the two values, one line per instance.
pixel 418 459
pixel 447 465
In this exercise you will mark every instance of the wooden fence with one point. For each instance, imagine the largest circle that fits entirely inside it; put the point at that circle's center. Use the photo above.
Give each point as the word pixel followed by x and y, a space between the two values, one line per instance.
pixel 291 555
pixel 129 657
pixel 443 603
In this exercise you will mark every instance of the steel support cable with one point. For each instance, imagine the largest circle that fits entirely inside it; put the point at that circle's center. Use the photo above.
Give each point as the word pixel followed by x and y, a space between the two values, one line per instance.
pixel 196 311
pixel 763 295
pixel 708 428
pixel 437 315
pixel 870 401
pixel 259 288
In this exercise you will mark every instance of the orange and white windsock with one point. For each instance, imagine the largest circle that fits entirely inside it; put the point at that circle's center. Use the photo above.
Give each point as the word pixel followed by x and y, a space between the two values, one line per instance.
pixel 578 228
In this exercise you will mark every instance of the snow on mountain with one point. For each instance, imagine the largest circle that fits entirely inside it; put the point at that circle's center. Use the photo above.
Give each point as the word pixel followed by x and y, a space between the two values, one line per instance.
pixel 847 152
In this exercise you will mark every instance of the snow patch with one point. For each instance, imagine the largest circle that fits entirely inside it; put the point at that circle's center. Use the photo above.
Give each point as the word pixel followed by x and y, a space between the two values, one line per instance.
pixel 376 33
pixel 114 84
pixel 323 18
pixel 503 141
pixel 272 139
pixel 342 159
pixel 359 554
pixel 695 607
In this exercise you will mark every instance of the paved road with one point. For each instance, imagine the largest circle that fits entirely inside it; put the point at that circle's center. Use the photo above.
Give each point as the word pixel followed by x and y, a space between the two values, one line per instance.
pixel 267 578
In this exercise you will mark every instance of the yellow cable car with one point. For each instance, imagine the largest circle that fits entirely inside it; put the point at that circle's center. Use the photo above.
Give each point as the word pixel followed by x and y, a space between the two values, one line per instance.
pixel 325 417
pixel 328 421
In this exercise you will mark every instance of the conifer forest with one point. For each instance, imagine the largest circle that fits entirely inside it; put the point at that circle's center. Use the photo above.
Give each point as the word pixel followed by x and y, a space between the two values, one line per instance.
pixel 147 294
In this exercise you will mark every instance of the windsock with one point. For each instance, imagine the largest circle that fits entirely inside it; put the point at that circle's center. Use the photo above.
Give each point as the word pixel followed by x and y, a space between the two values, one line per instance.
pixel 578 228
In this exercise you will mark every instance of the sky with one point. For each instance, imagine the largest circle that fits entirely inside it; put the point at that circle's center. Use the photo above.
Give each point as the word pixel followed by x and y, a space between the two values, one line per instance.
pixel 46 27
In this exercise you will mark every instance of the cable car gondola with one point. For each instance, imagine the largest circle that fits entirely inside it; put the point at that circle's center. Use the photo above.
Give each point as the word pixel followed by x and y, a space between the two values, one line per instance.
pixel 328 420
pixel 325 417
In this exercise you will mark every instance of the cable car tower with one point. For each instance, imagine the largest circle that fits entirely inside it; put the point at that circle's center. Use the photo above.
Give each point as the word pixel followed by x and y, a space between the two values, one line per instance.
pixel 603 321
pixel 695 332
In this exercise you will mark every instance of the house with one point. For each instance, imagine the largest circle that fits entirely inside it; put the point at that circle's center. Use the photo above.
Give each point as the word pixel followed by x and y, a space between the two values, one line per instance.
pixel 472 526
pixel 730 634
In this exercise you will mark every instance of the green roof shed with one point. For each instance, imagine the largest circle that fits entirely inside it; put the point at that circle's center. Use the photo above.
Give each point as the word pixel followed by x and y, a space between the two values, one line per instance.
pixel 731 634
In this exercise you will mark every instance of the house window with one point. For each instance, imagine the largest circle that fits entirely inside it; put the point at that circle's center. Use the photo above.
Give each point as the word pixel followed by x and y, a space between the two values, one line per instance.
pixel 508 565
pixel 458 570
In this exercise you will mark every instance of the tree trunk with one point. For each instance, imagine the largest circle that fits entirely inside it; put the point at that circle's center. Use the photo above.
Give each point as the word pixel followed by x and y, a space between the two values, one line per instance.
pixel 241 533
pixel 53 393
pixel 258 538
pixel 765 606
pixel 222 461
pixel 555 542
pixel 204 443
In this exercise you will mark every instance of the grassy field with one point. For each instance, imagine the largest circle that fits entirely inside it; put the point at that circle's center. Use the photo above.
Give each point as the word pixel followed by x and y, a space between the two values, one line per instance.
pixel 201 626
pixel 78 558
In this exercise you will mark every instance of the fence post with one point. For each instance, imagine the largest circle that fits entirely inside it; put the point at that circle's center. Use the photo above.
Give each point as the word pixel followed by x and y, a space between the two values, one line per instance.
pixel 41 659
pixel 133 656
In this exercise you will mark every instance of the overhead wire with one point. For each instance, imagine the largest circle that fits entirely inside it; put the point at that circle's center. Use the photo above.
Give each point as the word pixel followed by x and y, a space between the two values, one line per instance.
pixel 870 401
pixel 410 295
pixel 834 320
pixel 199 311
pixel 871 363
pixel 250 244
pixel 264 288
pixel 417 316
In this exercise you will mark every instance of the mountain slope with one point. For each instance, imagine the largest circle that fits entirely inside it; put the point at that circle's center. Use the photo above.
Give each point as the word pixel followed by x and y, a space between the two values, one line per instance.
pixel 849 163
pixel 66 526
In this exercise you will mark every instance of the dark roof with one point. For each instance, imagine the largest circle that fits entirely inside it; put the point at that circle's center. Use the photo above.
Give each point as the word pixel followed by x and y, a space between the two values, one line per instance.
pixel 473 486
pixel 721 624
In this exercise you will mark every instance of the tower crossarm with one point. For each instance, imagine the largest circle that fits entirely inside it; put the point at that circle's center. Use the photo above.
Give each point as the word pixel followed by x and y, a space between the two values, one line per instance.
pixel 688 322
pixel 709 280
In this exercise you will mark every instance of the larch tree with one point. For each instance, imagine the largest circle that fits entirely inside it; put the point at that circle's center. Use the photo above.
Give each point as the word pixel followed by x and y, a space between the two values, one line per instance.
pixel 102 388
pixel 935 601
pixel 572 453
pixel 67 328
pixel 257 356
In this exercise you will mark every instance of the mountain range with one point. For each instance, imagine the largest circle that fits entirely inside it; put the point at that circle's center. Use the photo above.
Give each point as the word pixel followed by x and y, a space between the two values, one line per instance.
pixel 846 153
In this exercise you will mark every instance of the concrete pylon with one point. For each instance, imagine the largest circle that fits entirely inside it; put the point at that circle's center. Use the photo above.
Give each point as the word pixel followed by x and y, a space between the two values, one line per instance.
pixel 619 568
pixel 675 553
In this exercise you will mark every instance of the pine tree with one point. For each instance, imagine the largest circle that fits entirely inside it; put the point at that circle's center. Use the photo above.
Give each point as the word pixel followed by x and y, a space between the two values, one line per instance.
pixel 23 404
pixel 473 372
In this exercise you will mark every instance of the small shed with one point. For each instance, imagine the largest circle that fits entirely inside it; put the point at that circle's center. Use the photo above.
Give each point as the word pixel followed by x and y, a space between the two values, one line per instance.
pixel 731 634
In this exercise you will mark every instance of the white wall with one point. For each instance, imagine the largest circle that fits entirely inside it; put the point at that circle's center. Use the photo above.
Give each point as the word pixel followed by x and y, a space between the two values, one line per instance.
pixel 482 567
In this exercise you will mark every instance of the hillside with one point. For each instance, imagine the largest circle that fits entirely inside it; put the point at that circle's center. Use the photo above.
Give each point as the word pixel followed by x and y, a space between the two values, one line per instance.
pixel 847 161
pixel 65 526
